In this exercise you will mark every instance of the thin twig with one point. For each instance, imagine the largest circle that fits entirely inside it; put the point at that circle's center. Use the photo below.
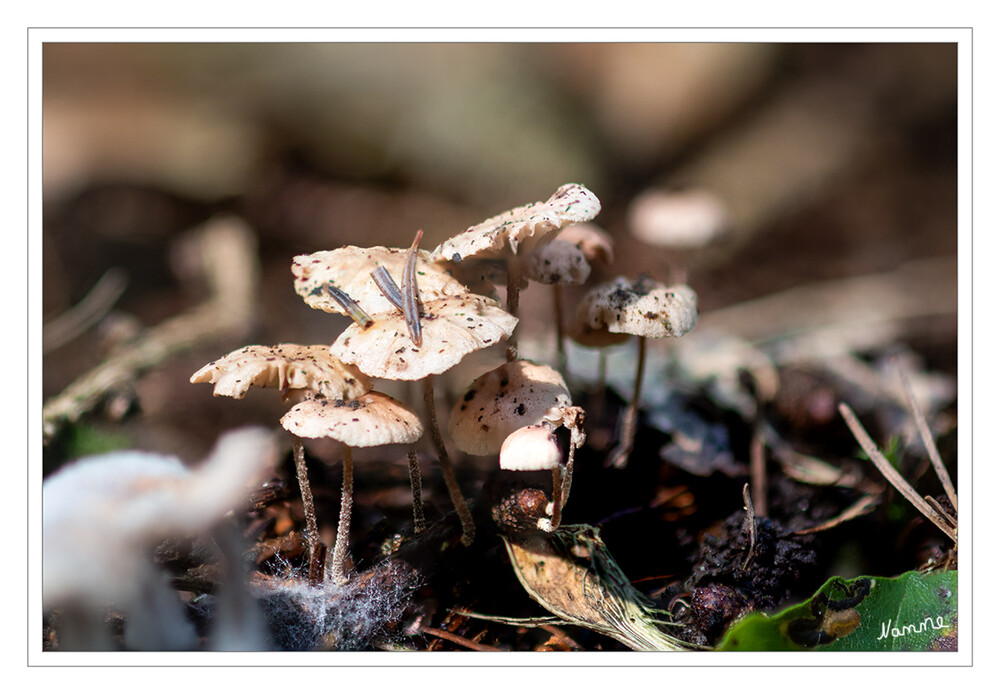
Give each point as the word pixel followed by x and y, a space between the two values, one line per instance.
pixel 891 474
pixel 78 319
pixel 460 640
pixel 409 292
pixel 227 248
pixel 928 439
pixel 390 290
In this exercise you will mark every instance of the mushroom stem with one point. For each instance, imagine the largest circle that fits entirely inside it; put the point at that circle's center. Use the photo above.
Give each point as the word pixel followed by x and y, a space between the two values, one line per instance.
pixel 557 500
pixel 560 332
pixel 563 477
pixel 419 523
pixel 308 507
pixel 454 491
pixel 513 299
pixel 338 565
pixel 620 454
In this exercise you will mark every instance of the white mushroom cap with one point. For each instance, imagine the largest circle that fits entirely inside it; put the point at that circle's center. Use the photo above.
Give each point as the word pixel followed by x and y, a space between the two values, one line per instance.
pixel 514 395
pixel 644 307
pixel 679 219
pixel 557 262
pixel 349 269
pixel 595 243
pixel 522 226
pixel 374 419
pixel 452 327
pixel 533 447
pixel 284 366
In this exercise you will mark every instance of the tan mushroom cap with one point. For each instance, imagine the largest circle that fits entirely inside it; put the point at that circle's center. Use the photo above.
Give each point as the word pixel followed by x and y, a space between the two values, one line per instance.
pixel 595 243
pixel 512 396
pixel 285 366
pixel 644 307
pixel 533 447
pixel 373 419
pixel 677 219
pixel 557 262
pixel 522 226
pixel 349 269
pixel 452 327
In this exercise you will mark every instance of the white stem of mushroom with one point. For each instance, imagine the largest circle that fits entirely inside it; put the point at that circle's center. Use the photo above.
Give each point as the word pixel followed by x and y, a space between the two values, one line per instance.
pixel 338 565
pixel 419 523
pixel 560 336
pixel 308 507
pixel 562 480
pixel 451 482
pixel 619 456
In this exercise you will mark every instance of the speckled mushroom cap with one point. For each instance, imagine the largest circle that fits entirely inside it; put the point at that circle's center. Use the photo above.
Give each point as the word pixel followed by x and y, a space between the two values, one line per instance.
pixel 642 307
pixel 373 419
pixel 452 327
pixel 595 243
pixel 284 366
pixel 514 395
pixel 677 219
pixel 557 262
pixel 349 269
pixel 522 226
pixel 533 447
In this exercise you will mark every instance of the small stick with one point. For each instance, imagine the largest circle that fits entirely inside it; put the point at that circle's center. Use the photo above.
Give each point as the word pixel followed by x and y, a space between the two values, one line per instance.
pixel 94 306
pixel 352 307
pixel 390 290
pixel 949 519
pixel 460 640
pixel 409 291
pixel 928 439
pixel 419 523
pixel 891 474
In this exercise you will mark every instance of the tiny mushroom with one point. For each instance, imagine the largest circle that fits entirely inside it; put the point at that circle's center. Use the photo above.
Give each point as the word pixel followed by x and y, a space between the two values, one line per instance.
pixel 678 221
pixel 611 312
pixel 508 399
pixel 373 419
pixel 291 368
pixel 567 260
pixel 516 232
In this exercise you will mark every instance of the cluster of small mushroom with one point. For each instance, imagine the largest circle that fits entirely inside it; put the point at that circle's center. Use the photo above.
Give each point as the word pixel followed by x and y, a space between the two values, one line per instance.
pixel 443 307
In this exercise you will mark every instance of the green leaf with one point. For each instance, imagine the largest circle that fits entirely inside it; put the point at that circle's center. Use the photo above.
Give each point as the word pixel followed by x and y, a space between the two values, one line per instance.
pixel 914 612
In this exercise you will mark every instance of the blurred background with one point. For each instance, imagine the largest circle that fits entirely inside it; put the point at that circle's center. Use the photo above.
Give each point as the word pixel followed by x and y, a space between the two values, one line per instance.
pixel 832 168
